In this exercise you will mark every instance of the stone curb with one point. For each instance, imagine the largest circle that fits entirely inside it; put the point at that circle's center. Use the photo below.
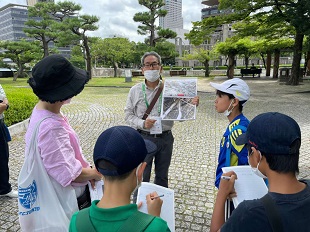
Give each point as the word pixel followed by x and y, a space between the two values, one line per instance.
pixel 19 127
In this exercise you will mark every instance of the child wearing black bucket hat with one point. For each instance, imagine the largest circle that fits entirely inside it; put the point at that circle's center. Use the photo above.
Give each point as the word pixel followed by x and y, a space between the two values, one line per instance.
pixel 51 138
pixel 119 156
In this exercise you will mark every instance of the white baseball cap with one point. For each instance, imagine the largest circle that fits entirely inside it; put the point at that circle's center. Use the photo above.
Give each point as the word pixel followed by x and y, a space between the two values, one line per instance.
pixel 235 86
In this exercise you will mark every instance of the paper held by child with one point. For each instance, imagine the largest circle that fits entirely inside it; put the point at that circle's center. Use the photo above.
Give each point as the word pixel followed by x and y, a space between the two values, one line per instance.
pixel 166 194
pixel 248 186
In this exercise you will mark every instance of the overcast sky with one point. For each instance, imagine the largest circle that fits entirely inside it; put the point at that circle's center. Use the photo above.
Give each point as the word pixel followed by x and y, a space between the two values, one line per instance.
pixel 116 16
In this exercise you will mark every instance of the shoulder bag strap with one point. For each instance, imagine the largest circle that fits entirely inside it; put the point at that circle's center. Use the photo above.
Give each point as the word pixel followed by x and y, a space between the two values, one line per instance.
pixel 136 222
pixel 83 222
pixel 228 150
pixel 149 109
pixel 272 213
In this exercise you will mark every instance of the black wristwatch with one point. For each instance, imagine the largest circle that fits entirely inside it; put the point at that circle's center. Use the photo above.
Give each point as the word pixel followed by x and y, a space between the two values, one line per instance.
pixel 7 106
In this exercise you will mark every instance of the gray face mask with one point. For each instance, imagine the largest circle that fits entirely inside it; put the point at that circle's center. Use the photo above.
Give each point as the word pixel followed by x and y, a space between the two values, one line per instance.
pixel 256 170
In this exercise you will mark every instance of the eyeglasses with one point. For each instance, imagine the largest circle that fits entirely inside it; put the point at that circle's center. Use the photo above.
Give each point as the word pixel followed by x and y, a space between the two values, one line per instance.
pixel 154 65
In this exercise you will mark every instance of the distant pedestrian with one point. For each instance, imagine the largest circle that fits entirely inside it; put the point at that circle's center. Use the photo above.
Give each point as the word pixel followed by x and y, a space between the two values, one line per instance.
pixel 5 186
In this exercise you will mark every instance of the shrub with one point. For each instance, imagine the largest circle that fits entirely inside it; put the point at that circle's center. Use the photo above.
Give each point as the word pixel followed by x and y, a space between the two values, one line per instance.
pixel 22 100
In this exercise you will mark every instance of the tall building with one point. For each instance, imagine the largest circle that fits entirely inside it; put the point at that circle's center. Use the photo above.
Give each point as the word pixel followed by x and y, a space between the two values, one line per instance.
pixel 33 2
pixel 174 18
pixel 12 22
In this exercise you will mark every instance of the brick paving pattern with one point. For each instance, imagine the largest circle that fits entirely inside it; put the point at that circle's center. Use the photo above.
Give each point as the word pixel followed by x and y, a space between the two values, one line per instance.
pixel 196 144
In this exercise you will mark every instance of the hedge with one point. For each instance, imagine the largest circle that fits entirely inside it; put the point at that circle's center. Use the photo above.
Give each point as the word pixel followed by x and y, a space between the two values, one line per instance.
pixel 22 100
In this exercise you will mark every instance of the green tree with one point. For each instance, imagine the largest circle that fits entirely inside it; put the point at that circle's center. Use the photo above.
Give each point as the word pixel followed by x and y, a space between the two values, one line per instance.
pixel 147 19
pixel 80 26
pixel 167 51
pixel 77 57
pixel 42 25
pixel 73 27
pixel 114 50
pixel 203 56
pixel 295 14
pixel 229 49
pixel 21 53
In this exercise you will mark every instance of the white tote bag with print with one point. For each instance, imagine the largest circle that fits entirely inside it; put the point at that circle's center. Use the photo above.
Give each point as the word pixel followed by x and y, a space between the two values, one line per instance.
pixel 43 204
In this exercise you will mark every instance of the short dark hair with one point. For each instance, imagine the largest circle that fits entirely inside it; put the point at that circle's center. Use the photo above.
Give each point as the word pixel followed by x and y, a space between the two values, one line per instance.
pixel 230 96
pixel 285 163
pixel 108 165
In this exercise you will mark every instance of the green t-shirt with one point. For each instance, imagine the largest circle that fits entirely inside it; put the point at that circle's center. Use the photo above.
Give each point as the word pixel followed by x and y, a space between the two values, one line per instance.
pixel 110 220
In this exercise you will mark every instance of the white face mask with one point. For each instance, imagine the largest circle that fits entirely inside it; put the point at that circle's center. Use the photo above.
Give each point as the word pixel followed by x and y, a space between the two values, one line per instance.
pixel 138 184
pixel 256 170
pixel 151 75
pixel 228 112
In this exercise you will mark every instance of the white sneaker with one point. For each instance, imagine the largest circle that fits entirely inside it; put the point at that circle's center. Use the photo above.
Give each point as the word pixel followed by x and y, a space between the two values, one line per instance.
pixel 12 194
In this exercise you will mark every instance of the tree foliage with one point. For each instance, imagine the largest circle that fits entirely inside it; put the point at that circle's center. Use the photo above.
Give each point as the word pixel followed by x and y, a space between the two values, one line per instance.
pixel 148 18
pixel 273 19
pixel 115 51
pixel 167 52
pixel 42 25
pixel 203 56
pixel 21 53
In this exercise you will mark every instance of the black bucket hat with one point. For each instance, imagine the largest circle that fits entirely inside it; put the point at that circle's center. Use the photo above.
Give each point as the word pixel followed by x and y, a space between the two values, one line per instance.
pixel 54 79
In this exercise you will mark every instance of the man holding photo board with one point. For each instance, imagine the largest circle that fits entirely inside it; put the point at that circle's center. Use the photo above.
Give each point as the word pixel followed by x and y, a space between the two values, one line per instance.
pixel 144 116
pixel 273 141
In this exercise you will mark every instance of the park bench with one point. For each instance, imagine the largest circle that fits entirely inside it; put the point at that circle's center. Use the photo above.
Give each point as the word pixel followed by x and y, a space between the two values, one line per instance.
pixel 177 73
pixel 246 72
pixel 136 73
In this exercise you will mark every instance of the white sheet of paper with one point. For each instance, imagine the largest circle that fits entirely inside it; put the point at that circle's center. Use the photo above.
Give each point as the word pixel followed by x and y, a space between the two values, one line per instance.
pixel 156 128
pixel 248 186
pixel 97 193
pixel 167 209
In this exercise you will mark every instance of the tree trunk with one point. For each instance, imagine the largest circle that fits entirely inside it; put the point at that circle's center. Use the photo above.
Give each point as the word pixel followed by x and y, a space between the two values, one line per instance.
pixel 263 58
pixel 206 64
pixel 115 68
pixel 45 47
pixel 308 64
pixel 276 63
pixel 268 64
pixel 152 37
pixel 294 79
pixel 87 54
pixel 231 66
pixel 246 59
pixel 20 72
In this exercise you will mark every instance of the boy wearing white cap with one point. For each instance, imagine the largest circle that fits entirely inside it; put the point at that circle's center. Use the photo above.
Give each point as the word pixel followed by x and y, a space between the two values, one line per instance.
pixel 231 96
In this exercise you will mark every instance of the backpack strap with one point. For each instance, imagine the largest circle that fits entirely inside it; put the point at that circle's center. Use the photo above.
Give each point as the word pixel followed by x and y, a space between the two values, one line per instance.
pixel 137 222
pixel 228 150
pixel 83 222
pixel 272 213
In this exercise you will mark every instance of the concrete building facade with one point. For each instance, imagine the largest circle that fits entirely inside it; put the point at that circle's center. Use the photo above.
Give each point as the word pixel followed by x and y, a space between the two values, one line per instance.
pixel 174 18
pixel 12 22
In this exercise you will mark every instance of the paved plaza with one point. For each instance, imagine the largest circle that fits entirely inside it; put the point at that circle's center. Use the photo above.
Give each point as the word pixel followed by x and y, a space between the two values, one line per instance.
pixel 196 144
